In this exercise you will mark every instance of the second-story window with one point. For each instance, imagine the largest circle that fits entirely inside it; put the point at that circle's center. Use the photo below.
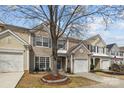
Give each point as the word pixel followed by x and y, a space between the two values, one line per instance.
pixel 61 44
pixel 103 50
pixel 42 41
pixel 93 48
pixel 121 53
pixel 117 54
pixel 112 53
pixel 97 49
pixel 45 42
pixel 38 41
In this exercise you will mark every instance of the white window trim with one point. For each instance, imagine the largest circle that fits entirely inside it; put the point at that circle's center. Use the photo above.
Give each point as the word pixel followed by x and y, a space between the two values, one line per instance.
pixel 35 41
pixel 39 61
pixel 48 41
pixel 42 42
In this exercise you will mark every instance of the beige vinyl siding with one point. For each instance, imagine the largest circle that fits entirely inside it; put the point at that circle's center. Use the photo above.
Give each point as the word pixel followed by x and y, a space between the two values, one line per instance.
pixel 79 55
pixel 10 42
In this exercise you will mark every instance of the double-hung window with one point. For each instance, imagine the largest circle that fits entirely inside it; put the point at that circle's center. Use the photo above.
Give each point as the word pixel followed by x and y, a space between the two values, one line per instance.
pixel 45 42
pixel 61 44
pixel 42 41
pixel 93 48
pixel 121 53
pixel 101 50
pixel 112 53
pixel 38 41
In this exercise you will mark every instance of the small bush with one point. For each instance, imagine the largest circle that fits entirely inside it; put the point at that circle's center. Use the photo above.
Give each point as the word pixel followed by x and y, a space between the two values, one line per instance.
pixel 115 67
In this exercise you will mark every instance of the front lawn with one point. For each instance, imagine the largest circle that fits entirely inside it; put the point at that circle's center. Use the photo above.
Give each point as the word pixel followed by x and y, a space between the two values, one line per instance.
pixel 33 81
pixel 110 75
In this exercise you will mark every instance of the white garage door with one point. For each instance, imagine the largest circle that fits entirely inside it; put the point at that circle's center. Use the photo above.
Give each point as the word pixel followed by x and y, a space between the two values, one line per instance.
pixel 105 64
pixel 11 62
pixel 80 66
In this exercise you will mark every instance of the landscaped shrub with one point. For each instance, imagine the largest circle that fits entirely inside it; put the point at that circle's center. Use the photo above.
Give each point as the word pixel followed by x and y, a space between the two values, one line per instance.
pixel 48 70
pixel 121 67
pixel 115 67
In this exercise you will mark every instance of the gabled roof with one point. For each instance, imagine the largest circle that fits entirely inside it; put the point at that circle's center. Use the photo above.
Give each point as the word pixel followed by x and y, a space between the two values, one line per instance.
pixel 73 49
pixel 110 46
pixel 40 26
pixel 16 36
pixel 15 28
pixel 74 39
pixel 93 38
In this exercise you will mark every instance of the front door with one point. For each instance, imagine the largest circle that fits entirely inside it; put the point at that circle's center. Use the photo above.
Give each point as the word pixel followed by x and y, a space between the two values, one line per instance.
pixel 59 63
pixel 97 64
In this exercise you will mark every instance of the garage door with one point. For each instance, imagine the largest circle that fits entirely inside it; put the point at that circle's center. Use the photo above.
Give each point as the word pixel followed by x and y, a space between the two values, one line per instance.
pixel 80 66
pixel 105 64
pixel 11 62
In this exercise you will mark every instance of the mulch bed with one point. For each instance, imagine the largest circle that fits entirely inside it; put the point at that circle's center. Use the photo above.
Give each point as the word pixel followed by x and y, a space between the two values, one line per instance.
pixel 54 78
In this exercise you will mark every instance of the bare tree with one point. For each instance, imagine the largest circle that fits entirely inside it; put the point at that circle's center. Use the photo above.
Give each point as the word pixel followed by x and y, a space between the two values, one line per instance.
pixel 64 20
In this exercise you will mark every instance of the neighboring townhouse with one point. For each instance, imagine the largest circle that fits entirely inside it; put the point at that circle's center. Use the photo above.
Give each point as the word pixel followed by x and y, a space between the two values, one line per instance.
pixel 115 53
pixel 122 53
pixel 99 57
pixel 14 48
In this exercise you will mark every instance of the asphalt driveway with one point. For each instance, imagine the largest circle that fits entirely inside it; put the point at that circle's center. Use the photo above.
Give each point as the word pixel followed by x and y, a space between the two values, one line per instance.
pixel 10 80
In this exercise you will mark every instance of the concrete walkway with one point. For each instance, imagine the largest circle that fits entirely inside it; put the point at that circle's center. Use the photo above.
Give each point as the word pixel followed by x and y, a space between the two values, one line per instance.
pixel 106 82
pixel 10 80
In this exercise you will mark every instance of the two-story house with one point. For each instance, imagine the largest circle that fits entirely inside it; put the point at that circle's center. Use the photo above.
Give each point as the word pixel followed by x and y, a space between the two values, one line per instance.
pixel 115 53
pixel 24 49
pixel 27 49
pixel 99 57
pixel 72 55
pixel 122 53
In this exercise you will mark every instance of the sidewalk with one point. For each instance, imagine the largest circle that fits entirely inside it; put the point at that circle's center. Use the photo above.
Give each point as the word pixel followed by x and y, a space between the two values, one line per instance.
pixel 106 82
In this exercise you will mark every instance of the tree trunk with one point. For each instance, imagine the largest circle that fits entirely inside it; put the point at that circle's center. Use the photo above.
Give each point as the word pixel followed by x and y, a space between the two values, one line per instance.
pixel 54 57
